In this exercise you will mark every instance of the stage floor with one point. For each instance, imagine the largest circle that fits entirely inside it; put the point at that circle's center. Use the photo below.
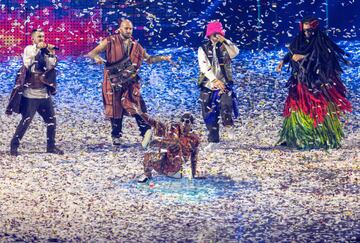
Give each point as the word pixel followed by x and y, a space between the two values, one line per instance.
pixel 254 191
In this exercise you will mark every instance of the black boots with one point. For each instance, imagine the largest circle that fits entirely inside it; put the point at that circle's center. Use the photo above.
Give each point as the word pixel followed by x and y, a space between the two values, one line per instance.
pixel 14 151
pixel 54 150
pixel 14 145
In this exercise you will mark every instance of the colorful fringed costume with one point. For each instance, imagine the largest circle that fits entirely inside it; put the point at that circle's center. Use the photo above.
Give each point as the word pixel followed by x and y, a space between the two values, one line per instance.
pixel 316 97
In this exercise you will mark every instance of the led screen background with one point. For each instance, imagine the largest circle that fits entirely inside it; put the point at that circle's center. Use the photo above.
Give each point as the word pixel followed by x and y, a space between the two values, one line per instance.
pixel 77 25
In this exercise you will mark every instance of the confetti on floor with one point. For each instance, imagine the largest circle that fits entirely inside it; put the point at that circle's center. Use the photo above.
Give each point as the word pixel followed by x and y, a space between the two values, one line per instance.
pixel 254 192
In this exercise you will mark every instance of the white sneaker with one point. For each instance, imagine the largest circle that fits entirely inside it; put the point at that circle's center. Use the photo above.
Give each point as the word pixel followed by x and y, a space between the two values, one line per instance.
pixel 143 179
pixel 209 147
pixel 177 175
pixel 231 133
pixel 186 171
pixel 147 138
pixel 116 141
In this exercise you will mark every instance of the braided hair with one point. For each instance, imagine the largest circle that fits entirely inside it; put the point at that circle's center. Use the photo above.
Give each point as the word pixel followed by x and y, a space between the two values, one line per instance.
pixel 323 56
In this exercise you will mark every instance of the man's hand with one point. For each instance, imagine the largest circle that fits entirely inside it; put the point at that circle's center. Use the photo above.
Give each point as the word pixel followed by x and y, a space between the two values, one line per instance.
pixel 166 58
pixel 297 57
pixel 51 49
pixel 279 67
pixel 41 45
pixel 220 37
pixel 218 84
pixel 99 60
pixel 50 46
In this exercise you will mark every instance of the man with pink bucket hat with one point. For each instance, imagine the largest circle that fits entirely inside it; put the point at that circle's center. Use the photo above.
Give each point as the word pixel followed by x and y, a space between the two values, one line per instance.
pixel 216 81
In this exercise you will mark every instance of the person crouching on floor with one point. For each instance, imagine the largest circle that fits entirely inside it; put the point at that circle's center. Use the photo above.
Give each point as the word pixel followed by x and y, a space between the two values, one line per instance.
pixel 170 147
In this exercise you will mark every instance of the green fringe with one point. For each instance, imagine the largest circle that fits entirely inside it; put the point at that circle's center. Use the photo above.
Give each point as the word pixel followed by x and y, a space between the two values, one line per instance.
pixel 298 131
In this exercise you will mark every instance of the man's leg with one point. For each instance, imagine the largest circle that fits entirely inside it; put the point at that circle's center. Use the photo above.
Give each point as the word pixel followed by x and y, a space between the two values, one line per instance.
pixel 226 112
pixel 148 167
pixel 213 129
pixel 116 130
pixel 135 106
pixel 143 126
pixel 226 109
pixel 152 161
pixel 28 110
pixel 46 111
pixel 148 164
pixel 213 126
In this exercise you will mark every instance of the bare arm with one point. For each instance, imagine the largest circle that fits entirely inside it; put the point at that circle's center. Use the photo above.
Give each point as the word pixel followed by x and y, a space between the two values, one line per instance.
pixel 155 59
pixel 193 160
pixel 94 54
pixel 149 120
pixel 194 154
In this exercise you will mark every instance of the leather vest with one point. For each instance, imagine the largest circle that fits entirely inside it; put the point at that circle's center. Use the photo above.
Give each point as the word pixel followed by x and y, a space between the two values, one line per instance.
pixel 223 58
pixel 35 81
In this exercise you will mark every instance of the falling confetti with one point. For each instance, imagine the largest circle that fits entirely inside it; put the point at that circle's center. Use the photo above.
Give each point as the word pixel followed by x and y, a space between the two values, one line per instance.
pixel 253 191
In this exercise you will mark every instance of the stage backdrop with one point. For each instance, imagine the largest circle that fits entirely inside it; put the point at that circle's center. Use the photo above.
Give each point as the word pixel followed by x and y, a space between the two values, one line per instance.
pixel 77 25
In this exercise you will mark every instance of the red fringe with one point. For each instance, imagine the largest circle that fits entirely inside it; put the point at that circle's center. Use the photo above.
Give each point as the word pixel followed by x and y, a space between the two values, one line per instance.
pixel 316 107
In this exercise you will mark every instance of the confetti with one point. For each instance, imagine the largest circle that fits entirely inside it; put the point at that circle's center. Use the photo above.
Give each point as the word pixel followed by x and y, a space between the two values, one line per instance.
pixel 253 192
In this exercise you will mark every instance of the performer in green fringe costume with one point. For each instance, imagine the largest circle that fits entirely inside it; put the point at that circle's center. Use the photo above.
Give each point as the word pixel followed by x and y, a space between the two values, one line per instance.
pixel 316 98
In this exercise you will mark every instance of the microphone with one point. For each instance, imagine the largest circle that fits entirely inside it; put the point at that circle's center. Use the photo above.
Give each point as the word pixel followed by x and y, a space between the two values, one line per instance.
pixel 52 47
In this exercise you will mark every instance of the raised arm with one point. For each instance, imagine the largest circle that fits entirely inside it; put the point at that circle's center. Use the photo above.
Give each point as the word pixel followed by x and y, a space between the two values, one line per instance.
pixel 231 48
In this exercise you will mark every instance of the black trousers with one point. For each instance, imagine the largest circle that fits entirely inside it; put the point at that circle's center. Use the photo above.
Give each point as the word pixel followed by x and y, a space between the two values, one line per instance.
pixel 116 126
pixel 116 123
pixel 225 111
pixel 28 109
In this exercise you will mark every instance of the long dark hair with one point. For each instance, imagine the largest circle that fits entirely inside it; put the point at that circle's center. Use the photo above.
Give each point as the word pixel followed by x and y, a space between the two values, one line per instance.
pixel 323 56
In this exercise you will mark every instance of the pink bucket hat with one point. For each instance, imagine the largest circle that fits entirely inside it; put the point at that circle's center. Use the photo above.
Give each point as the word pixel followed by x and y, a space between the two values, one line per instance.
pixel 214 27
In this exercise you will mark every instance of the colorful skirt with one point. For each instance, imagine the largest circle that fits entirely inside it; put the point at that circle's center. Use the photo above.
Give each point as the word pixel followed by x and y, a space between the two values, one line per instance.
pixel 312 119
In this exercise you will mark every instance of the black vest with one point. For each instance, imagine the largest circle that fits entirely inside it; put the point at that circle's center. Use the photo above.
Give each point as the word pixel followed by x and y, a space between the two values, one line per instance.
pixel 223 58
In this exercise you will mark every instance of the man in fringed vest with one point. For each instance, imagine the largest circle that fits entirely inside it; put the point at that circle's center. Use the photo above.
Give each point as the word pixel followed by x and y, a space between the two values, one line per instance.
pixel 216 81
pixel 34 85
pixel 121 99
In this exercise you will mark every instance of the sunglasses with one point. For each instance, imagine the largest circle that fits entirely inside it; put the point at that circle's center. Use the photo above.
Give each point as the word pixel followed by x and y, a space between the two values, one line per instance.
pixel 186 121
pixel 310 31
